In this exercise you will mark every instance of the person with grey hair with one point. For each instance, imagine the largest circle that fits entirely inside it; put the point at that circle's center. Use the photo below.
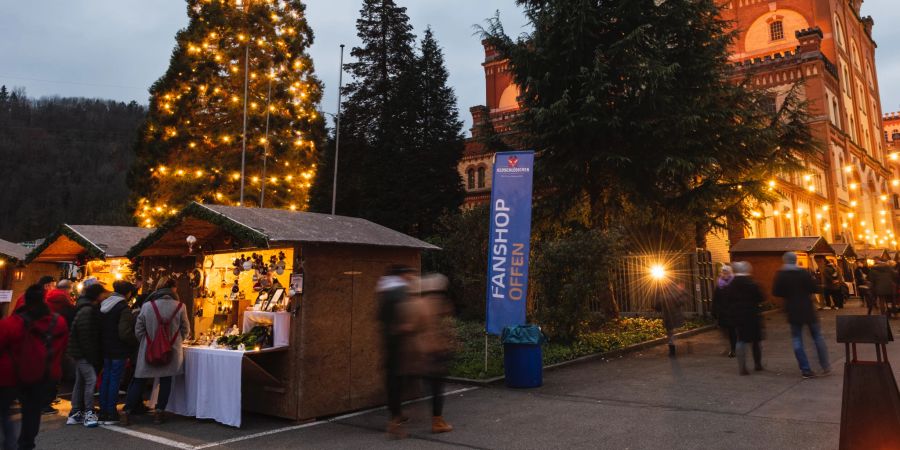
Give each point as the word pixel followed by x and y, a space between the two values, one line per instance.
pixel 796 287
pixel 745 299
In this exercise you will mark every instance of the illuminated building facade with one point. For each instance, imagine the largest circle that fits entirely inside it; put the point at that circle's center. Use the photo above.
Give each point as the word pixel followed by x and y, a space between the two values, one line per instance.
pixel 847 190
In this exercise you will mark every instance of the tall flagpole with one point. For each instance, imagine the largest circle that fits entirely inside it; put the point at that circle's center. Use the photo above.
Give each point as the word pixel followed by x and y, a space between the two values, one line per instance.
pixel 337 133
pixel 262 192
pixel 244 149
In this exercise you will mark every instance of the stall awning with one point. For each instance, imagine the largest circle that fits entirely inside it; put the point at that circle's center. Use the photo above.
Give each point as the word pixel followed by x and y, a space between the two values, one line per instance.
pixel 97 241
pixel 844 250
pixel 265 228
pixel 12 250
pixel 806 244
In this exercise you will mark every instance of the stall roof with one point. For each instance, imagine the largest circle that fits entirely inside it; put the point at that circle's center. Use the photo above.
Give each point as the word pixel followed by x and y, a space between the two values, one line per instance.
pixel 13 250
pixel 98 241
pixel 874 253
pixel 261 227
pixel 808 244
pixel 845 250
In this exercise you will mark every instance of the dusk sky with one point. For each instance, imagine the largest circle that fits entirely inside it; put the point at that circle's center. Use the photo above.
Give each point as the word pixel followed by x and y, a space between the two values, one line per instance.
pixel 117 48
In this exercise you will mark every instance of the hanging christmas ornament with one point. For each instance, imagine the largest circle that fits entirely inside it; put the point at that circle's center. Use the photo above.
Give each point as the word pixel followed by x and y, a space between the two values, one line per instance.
pixel 279 270
pixel 248 265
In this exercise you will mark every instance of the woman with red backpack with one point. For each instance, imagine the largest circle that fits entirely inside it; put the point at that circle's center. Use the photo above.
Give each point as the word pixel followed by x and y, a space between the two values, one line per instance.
pixel 160 328
pixel 32 341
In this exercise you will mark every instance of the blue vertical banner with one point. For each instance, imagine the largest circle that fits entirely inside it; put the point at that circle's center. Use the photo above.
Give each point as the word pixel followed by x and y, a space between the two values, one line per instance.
pixel 510 239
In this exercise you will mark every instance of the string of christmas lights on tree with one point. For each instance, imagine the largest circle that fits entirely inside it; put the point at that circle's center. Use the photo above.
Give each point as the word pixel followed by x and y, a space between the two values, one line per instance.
pixel 190 147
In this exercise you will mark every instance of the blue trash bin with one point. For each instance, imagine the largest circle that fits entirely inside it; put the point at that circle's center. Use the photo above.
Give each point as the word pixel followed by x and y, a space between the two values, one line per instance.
pixel 522 357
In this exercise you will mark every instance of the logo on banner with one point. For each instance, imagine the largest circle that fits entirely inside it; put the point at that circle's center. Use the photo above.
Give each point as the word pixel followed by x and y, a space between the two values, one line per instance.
pixel 513 161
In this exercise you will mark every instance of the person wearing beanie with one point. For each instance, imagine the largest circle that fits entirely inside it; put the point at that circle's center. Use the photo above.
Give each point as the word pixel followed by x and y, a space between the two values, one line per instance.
pixel 84 348
pixel 796 287
pixel 30 364
pixel 745 299
pixel 117 343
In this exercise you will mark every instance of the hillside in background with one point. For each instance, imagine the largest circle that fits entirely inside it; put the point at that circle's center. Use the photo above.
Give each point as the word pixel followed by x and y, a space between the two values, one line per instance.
pixel 63 160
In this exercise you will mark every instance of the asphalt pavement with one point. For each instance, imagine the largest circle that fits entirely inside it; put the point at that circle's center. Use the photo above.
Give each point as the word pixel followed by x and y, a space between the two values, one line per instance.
pixel 643 400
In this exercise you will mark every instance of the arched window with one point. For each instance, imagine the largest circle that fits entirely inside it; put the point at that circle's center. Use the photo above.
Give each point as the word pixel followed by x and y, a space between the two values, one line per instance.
pixel 481 177
pixel 839 31
pixel 776 30
pixel 470 178
pixel 836 112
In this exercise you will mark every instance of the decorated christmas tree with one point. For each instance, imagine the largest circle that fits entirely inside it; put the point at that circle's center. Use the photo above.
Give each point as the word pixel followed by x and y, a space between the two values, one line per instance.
pixel 239 65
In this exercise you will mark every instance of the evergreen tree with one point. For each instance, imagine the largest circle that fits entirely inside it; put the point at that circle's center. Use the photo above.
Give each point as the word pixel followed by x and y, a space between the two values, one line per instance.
pixel 190 147
pixel 400 132
pixel 633 107
pixel 4 94
pixel 434 187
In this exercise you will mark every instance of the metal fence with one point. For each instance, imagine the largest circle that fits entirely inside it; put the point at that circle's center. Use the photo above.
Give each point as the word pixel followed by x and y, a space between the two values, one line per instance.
pixel 632 282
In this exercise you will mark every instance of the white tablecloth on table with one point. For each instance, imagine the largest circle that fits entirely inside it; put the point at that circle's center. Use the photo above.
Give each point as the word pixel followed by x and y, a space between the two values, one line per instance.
pixel 210 387
pixel 280 321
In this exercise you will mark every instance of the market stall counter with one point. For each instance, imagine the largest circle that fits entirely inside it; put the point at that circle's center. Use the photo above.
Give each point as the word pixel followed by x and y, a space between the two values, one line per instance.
pixel 284 307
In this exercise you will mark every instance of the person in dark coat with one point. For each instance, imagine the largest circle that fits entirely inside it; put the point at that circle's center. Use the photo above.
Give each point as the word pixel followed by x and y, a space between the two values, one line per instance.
pixel 833 286
pixel 796 287
pixel 84 348
pixel 863 285
pixel 721 308
pixel 393 291
pixel 884 286
pixel 117 342
pixel 670 300
pixel 745 299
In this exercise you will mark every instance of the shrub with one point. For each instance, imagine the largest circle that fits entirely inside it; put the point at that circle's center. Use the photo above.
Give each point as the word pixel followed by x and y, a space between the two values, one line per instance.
pixel 569 271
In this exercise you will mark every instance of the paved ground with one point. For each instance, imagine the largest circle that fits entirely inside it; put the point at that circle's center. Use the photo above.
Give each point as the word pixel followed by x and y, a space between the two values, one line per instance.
pixel 644 400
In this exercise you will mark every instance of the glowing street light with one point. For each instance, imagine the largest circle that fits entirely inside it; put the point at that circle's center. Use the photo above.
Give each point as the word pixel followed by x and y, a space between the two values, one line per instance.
pixel 657 272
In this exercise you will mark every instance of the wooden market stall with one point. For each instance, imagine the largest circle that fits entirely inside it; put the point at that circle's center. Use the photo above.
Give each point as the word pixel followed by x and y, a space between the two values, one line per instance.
pixel 93 250
pixel 330 357
pixel 16 276
pixel 765 256
pixel 872 255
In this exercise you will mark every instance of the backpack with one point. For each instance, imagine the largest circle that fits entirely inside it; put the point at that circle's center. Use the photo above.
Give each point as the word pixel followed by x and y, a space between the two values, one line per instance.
pixel 35 346
pixel 159 349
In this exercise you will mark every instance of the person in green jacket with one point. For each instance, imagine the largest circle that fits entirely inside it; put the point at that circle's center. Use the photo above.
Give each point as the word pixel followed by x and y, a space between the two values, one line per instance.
pixel 84 348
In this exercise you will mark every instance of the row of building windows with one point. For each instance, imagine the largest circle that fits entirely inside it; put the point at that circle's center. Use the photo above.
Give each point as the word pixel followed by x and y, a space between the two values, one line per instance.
pixel 471 178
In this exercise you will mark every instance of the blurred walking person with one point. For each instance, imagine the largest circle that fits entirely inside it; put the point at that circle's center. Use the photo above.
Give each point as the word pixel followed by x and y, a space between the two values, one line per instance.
pixel 745 297
pixel 833 286
pixel 117 342
pixel 162 316
pixel 32 341
pixel 84 348
pixel 796 287
pixel 429 342
pixel 721 307
pixel 670 300
pixel 884 286
pixel 393 292
pixel 864 286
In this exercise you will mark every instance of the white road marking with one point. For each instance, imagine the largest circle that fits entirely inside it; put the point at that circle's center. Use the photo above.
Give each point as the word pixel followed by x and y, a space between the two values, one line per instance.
pixel 149 437
pixel 186 446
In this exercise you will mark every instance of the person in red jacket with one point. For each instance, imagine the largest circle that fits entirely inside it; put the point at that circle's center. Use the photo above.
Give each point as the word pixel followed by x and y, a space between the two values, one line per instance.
pixel 32 342
pixel 46 281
